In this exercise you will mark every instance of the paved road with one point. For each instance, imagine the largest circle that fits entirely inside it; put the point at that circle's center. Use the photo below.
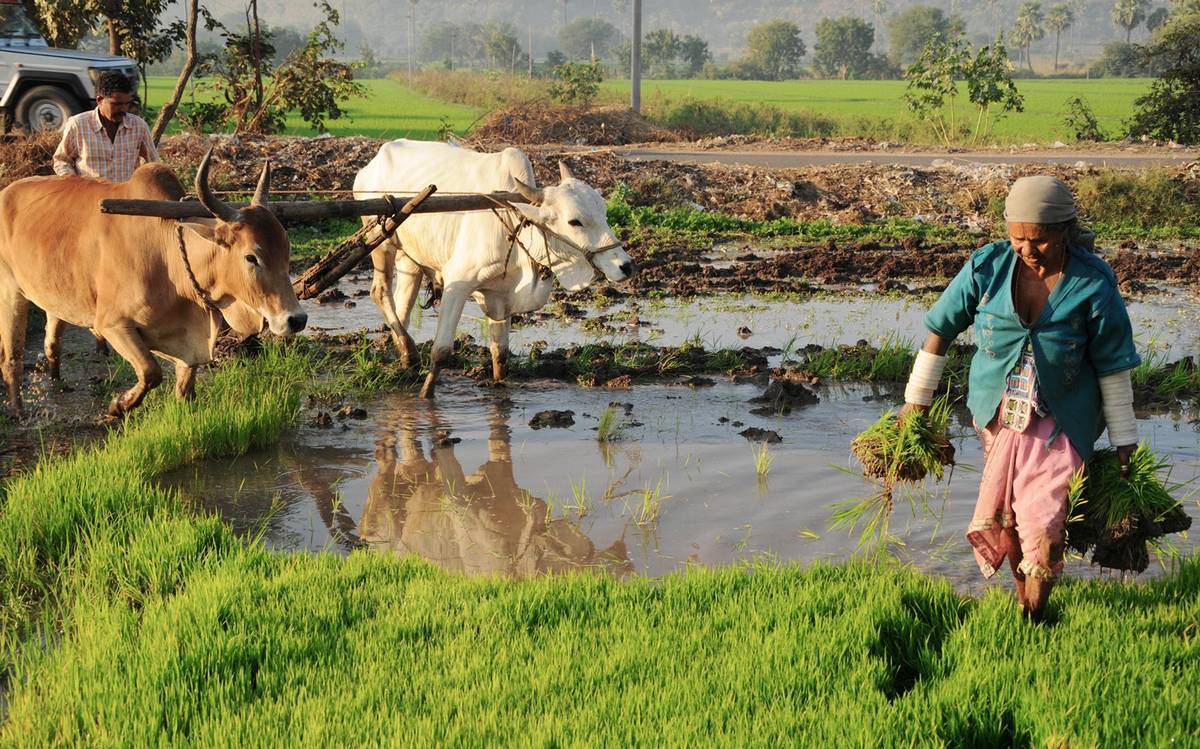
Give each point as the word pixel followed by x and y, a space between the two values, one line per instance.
pixel 797 159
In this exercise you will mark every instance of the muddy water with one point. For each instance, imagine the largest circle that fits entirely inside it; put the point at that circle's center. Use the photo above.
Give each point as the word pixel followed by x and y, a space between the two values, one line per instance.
pixel 677 487
pixel 1168 321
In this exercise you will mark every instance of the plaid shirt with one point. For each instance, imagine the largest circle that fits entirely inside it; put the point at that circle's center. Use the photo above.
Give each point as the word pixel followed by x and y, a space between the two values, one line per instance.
pixel 86 150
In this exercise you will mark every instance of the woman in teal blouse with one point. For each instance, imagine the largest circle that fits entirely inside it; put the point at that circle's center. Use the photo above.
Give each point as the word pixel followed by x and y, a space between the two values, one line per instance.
pixel 1055 348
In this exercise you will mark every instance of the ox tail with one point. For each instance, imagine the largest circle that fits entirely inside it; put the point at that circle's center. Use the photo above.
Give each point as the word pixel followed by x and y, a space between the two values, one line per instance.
pixel 433 291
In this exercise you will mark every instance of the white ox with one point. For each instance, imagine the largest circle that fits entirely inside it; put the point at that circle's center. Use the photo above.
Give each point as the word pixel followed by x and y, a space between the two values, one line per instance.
pixel 563 233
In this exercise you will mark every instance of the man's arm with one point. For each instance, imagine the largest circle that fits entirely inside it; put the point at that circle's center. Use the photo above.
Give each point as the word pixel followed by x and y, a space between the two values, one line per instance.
pixel 67 153
pixel 147 150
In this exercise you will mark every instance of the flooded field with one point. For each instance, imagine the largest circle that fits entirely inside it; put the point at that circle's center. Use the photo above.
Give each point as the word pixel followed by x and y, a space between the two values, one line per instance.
pixel 1167 320
pixel 469 483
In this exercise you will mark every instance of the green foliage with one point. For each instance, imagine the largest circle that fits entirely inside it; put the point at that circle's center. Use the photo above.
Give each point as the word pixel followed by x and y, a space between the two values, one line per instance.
pixel 577 82
pixel 254 98
pixel 775 48
pixel 1081 121
pixel 933 87
pixel 1027 29
pixel 1140 200
pixel 1120 60
pixel 659 50
pixel 584 38
pixel 1129 14
pixel 915 27
pixel 1171 110
pixel 843 48
pixel 699 118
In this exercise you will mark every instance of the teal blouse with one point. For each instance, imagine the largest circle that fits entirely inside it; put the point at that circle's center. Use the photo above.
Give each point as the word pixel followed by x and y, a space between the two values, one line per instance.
pixel 1083 334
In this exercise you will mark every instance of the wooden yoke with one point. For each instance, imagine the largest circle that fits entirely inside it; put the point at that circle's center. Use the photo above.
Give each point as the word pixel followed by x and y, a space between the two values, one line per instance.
pixel 342 259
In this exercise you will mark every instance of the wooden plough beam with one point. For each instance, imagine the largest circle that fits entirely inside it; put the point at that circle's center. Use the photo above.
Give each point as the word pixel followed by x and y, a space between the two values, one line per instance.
pixel 314 210
pixel 342 259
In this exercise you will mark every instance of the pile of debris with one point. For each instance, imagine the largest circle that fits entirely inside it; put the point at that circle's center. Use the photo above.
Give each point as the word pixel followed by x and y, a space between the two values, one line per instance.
pixel 541 123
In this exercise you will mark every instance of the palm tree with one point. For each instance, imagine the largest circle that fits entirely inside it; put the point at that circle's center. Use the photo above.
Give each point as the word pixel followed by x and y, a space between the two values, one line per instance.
pixel 1028 28
pixel 1058 20
pixel 1128 14
pixel 879 7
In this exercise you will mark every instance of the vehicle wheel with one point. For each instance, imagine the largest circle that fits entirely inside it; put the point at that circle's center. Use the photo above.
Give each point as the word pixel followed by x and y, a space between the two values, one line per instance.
pixel 45 108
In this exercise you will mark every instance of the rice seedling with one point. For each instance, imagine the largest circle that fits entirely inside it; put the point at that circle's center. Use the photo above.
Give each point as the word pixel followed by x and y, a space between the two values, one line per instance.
pixel 896 451
pixel 609 427
pixel 763 459
pixel 648 511
pixel 908 449
pixel 1114 517
pixel 581 499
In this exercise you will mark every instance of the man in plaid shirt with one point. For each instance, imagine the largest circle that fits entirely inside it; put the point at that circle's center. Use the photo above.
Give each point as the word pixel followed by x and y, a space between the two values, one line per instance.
pixel 107 141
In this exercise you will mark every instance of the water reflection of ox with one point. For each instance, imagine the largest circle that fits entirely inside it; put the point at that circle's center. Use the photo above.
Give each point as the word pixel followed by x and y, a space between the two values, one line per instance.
pixel 480 523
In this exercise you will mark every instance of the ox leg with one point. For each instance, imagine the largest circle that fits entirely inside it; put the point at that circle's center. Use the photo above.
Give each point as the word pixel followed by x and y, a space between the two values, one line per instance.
pixel 498 345
pixel 454 298
pixel 185 382
pixel 52 346
pixel 129 345
pixel 384 261
pixel 14 310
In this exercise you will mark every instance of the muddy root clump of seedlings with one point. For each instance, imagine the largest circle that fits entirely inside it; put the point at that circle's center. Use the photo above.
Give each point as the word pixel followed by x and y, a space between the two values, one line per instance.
pixel 1118 519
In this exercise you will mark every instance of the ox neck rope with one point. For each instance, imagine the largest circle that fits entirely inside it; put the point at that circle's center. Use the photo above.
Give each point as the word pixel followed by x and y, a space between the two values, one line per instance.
pixel 187 265
pixel 544 269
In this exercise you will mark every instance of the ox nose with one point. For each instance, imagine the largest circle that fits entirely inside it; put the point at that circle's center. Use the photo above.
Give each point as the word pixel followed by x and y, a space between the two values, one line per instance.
pixel 297 322
pixel 627 268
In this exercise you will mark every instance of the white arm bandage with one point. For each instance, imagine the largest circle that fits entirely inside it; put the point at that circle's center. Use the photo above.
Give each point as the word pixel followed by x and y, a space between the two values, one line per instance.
pixel 926 374
pixel 1116 398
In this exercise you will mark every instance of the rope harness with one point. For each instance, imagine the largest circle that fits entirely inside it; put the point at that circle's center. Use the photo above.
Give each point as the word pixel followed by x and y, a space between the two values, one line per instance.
pixel 544 268
pixel 187 265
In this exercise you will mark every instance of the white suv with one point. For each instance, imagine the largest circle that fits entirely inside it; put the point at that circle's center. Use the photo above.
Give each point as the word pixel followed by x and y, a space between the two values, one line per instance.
pixel 41 86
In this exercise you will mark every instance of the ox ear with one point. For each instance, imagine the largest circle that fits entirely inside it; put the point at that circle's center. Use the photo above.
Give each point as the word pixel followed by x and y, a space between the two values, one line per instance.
pixel 534 213
pixel 213 233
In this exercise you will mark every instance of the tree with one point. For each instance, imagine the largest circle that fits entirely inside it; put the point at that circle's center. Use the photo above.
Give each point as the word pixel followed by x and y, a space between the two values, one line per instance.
pixel 1156 19
pixel 584 37
pixel 1120 60
pixel 134 27
pixel 1058 20
pixel 168 111
pixel 659 49
pixel 843 47
pixel 879 7
pixel 1028 28
pixel 933 87
pixel 911 30
pixel 776 48
pixel 501 46
pixel 1171 109
pixel 309 81
pixel 694 54
pixel 577 82
pixel 1128 14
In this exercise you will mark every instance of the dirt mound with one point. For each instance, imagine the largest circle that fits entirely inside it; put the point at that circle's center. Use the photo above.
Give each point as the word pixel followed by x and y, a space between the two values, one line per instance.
pixel 546 123
pixel 22 156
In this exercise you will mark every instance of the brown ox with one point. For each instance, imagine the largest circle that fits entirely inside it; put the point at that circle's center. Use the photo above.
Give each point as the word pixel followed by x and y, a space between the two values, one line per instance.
pixel 128 277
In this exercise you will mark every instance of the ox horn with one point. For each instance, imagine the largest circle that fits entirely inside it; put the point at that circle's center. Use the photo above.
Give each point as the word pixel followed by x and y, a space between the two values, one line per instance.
pixel 564 171
pixel 263 191
pixel 214 205
pixel 533 194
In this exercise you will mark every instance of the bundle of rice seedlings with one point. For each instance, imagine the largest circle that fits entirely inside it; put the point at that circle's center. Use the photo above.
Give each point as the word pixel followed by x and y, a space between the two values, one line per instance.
pixel 895 451
pixel 1115 517
pixel 909 449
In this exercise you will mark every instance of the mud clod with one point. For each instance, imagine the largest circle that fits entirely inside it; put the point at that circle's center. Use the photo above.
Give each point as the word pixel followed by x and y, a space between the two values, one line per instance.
pixel 552 419
pixel 754 434
pixel 781 396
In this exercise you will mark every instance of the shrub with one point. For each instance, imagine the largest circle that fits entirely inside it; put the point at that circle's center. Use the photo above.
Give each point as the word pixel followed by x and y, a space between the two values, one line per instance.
pixel 707 117
pixel 1081 121
pixel 577 82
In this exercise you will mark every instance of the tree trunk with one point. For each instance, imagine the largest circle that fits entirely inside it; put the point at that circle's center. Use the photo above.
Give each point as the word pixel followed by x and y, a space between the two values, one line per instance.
pixel 1057 37
pixel 1128 33
pixel 114 38
pixel 168 110
pixel 256 55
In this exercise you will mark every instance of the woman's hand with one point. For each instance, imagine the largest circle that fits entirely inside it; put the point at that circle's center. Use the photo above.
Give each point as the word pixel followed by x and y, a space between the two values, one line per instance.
pixel 910 408
pixel 1124 453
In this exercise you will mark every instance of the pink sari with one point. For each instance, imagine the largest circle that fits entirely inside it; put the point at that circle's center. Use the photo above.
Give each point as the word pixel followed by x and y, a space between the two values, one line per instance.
pixel 1024 486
